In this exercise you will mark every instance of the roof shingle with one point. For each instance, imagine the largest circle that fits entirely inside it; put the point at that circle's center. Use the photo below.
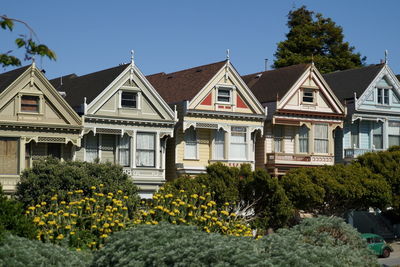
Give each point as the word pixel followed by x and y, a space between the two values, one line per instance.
pixel 8 77
pixel 89 85
pixel 347 82
pixel 269 85
pixel 183 85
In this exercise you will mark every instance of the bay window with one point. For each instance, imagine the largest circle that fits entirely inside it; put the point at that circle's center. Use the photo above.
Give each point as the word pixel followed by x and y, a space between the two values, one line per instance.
pixel 91 147
pixel 303 139
pixel 377 133
pixel 394 133
pixel 9 155
pixel 145 150
pixel 124 150
pixel 321 138
pixel 219 151
pixel 238 145
pixel 190 143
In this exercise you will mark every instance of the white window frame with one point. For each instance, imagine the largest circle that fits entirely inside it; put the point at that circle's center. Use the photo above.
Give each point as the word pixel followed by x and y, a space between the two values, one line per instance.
pixel 381 99
pixel 320 138
pixel 130 90
pixel 97 137
pixel 218 144
pixel 122 149
pixel 244 131
pixel 304 138
pixel 396 134
pixel 224 87
pixel 141 149
pixel 307 90
pixel 194 143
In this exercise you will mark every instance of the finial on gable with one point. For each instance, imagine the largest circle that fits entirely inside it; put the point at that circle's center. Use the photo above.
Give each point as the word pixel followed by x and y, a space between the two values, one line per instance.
pixel 133 57
pixel 227 54
pixel 386 56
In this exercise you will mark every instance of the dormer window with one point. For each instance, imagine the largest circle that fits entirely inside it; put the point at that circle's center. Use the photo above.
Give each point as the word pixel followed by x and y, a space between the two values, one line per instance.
pixel 129 100
pixel 383 96
pixel 308 96
pixel 224 95
pixel 30 103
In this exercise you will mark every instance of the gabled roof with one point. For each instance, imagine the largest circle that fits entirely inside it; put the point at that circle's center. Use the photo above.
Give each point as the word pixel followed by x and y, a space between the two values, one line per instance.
pixel 183 85
pixel 89 85
pixel 267 86
pixel 347 82
pixel 8 77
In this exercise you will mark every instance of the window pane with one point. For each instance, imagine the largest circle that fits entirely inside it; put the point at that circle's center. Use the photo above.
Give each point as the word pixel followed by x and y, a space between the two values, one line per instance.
pixel 303 139
pixel 355 134
pixel 145 150
pixel 219 152
pixel 30 103
pixel 238 145
pixel 8 156
pixel 321 138
pixel 124 150
pixel 278 138
pixel 394 140
pixel 308 95
pixel 224 95
pixel 386 96
pixel 91 147
pixel 380 96
pixel 190 144
pixel 54 150
pixel 128 99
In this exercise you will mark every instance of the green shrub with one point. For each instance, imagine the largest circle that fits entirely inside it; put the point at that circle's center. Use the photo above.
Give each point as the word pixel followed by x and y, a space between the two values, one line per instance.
pixel 315 242
pixel 241 188
pixel 22 252
pixel 12 218
pixel 333 190
pixel 322 241
pixel 50 176
pixel 172 245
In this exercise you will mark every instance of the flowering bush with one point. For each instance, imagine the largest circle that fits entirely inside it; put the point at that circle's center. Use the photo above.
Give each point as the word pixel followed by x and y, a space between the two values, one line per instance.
pixel 81 221
pixel 191 209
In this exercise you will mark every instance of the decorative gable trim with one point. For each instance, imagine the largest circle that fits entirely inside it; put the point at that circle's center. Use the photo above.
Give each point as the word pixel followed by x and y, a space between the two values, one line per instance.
pixel 96 104
pixel 322 85
pixel 387 72
pixel 247 95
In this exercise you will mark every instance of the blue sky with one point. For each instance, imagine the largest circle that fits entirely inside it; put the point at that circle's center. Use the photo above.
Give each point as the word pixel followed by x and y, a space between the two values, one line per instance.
pixel 167 36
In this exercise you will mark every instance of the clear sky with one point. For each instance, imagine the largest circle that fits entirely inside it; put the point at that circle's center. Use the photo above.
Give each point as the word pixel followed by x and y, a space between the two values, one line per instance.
pixel 170 35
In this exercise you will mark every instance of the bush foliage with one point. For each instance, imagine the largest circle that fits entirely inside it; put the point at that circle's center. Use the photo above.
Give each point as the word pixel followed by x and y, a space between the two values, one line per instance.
pixel 80 221
pixel 333 190
pixel 12 218
pixel 192 209
pixel 22 252
pixel 316 242
pixel 50 176
pixel 249 192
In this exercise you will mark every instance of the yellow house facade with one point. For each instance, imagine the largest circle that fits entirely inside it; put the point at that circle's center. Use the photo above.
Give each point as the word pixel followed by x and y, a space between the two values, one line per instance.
pixel 219 118
pixel 35 122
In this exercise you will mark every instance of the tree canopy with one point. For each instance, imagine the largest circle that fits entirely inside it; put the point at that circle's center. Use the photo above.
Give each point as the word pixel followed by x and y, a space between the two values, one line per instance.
pixel 312 37
pixel 28 42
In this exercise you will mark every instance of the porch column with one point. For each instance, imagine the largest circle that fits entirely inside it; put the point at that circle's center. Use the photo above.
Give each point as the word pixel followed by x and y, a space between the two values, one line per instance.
pixel 22 142
pixel 311 139
pixel 385 135
pixel 227 142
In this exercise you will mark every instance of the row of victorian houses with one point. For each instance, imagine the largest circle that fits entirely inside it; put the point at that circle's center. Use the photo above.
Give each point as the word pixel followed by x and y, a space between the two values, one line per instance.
pixel 164 125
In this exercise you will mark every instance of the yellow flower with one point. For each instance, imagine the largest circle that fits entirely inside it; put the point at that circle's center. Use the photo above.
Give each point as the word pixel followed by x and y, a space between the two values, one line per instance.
pixel 226 204
pixel 94 226
pixel 36 219
pixel 104 236
pixel 233 214
pixel 70 193
pixel 60 237
pixel 31 208
pixel 93 188
pixel 202 198
pixel 27 212
pixel 121 225
pixel 203 186
pixel 72 233
pixel 148 222
pixel 203 207
pixel 42 223
pixel 154 222
pixel 208 194
pixel 62 202
pixel 194 196
pixel 68 227
pixel 66 214
pixel 181 191
pixel 43 203
pixel 110 194
pixel 119 191
pixel 101 185
pixel 106 225
pixel 174 222
pixel 78 249
pixel 224 212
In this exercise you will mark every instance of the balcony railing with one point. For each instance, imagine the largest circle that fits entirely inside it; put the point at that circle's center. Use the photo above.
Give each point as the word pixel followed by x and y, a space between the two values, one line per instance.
pixel 299 159
pixel 351 153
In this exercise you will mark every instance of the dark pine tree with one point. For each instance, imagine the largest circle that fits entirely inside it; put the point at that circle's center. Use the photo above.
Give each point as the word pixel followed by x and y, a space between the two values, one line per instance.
pixel 312 37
